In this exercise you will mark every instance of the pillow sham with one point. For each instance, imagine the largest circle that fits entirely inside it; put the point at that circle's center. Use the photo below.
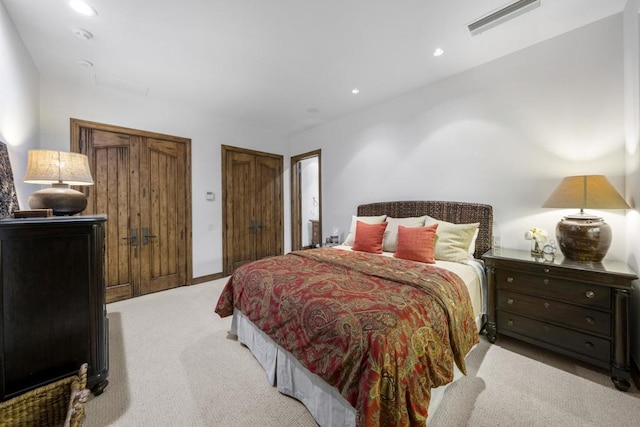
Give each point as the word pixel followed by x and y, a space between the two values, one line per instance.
pixel 369 237
pixel 453 241
pixel 472 245
pixel 391 235
pixel 367 219
pixel 417 243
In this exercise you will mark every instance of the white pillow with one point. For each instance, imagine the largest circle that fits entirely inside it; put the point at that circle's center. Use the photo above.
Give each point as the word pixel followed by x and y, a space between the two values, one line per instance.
pixel 472 246
pixel 351 237
pixel 453 241
pixel 391 235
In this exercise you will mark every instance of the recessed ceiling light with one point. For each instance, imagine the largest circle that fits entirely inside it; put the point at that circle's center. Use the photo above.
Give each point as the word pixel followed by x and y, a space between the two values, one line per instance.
pixel 355 91
pixel 82 33
pixel 85 63
pixel 438 52
pixel 82 8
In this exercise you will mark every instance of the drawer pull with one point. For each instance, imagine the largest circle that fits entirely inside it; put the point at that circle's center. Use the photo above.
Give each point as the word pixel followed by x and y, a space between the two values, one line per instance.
pixel 509 279
pixel 510 301
pixel 589 294
pixel 546 305
pixel 510 322
pixel 546 270
pixel 546 329
pixel 590 320
pixel 588 345
pixel 545 281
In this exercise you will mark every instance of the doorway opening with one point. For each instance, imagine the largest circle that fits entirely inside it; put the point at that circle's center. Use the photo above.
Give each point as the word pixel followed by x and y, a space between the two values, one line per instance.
pixel 306 200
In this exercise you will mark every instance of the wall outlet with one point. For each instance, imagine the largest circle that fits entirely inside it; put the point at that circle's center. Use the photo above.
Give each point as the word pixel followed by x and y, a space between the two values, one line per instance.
pixel 497 242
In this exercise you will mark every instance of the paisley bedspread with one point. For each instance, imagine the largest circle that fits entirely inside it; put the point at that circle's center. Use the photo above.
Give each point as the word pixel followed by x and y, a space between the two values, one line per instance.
pixel 383 331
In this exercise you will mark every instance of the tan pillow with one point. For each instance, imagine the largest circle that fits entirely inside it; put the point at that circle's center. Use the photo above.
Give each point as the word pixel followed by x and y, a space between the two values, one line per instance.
pixel 391 235
pixel 453 240
pixel 351 237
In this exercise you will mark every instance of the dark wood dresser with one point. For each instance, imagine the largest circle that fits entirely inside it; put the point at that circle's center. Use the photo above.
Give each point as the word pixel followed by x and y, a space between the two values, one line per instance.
pixel 52 299
pixel 577 309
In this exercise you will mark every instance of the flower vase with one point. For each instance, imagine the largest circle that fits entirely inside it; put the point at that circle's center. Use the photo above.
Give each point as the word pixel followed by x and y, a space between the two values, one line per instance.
pixel 535 248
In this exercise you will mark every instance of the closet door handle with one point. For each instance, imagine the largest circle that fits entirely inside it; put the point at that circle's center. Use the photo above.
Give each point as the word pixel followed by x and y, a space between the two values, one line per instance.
pixel 146 236
pixel 133 239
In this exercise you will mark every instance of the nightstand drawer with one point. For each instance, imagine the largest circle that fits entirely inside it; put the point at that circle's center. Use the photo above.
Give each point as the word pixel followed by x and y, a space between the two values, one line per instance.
pixel 585 344
pixel 554 288
pixel 554 311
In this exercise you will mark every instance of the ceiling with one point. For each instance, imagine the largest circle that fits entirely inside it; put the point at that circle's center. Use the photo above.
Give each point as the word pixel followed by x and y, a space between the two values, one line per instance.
pixel 285 65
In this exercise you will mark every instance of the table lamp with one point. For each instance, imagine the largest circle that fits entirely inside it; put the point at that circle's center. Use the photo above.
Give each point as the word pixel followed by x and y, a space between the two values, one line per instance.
pixel 581 236
pixel 60 169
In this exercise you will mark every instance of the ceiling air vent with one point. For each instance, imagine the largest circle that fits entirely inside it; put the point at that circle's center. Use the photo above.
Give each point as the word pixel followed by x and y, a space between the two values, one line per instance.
pixel 501 15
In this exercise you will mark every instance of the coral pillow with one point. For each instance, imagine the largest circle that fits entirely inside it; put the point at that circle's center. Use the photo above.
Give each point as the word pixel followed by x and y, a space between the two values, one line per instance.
pixel 369 237
pixel 417 243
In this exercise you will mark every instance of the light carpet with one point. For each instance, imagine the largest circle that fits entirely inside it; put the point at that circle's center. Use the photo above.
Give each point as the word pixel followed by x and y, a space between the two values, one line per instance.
pixel 172 363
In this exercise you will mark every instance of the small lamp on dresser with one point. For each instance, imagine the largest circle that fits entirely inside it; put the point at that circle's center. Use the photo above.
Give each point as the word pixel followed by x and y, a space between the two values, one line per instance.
pixel 581 236
pixel 60 169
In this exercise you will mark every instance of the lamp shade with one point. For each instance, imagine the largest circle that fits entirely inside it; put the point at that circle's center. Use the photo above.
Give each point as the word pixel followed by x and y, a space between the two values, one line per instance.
pixel 586 191
pixel 60 169
pixel 583 237
pixel 49 167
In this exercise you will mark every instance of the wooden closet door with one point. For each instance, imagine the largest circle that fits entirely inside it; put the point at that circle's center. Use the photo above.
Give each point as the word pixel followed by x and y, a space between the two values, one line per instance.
pixel 240 210
pixel 163 227
pixel 114 159
pixel 253 206
pixel 269 207
pixel 142 182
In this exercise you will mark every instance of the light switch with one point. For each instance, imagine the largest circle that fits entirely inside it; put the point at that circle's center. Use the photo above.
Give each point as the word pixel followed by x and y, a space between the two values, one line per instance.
pixel 210 196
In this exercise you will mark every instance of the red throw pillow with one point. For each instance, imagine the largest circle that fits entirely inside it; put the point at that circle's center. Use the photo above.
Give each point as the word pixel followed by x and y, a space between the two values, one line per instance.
pixel 417 243
pixel 369 237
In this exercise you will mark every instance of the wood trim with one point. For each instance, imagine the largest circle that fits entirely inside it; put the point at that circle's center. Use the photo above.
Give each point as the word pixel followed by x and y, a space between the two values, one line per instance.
pixel 296 207
pixel 76 124
pixel 76 146
pixel 208 278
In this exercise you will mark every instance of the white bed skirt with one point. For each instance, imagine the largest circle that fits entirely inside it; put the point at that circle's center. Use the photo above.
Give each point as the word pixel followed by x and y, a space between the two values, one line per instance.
pixel 324 402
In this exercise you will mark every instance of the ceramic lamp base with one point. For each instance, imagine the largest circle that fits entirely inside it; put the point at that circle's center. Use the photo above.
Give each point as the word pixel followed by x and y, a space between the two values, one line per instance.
pixel 62 199
pixel 583 237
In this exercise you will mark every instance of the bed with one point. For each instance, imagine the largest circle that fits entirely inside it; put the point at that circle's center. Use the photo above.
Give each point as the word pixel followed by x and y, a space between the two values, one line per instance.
pixel 361 338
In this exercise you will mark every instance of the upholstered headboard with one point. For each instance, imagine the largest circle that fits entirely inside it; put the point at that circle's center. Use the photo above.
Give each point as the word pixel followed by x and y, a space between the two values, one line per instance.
pixel 456 212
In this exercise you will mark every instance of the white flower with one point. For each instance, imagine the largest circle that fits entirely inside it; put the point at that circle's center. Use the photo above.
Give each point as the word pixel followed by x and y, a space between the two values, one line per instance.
pixel 537 234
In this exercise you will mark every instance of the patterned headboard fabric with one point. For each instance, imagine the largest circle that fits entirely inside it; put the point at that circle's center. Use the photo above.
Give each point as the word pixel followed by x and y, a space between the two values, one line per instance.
pixel 456 212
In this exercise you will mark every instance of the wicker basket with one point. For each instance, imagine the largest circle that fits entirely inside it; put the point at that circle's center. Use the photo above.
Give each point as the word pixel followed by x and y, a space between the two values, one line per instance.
pixel 57 404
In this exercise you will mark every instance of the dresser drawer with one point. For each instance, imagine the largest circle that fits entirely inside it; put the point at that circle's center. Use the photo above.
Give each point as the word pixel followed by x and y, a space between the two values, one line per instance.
pixel 554 311
pixel 554 288
pixel 585 344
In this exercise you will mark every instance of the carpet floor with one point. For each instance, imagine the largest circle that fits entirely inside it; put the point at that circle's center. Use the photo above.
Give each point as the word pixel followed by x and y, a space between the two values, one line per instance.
pixel 172 363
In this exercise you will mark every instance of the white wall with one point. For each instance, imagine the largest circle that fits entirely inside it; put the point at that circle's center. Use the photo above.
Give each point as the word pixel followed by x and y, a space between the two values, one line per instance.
pixel 632 139
pixel 61 101
pixel 19 103
pixel 504 133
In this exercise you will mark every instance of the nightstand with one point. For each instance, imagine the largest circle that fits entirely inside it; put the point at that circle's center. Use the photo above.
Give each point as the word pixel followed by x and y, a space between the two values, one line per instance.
pixel 576 309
